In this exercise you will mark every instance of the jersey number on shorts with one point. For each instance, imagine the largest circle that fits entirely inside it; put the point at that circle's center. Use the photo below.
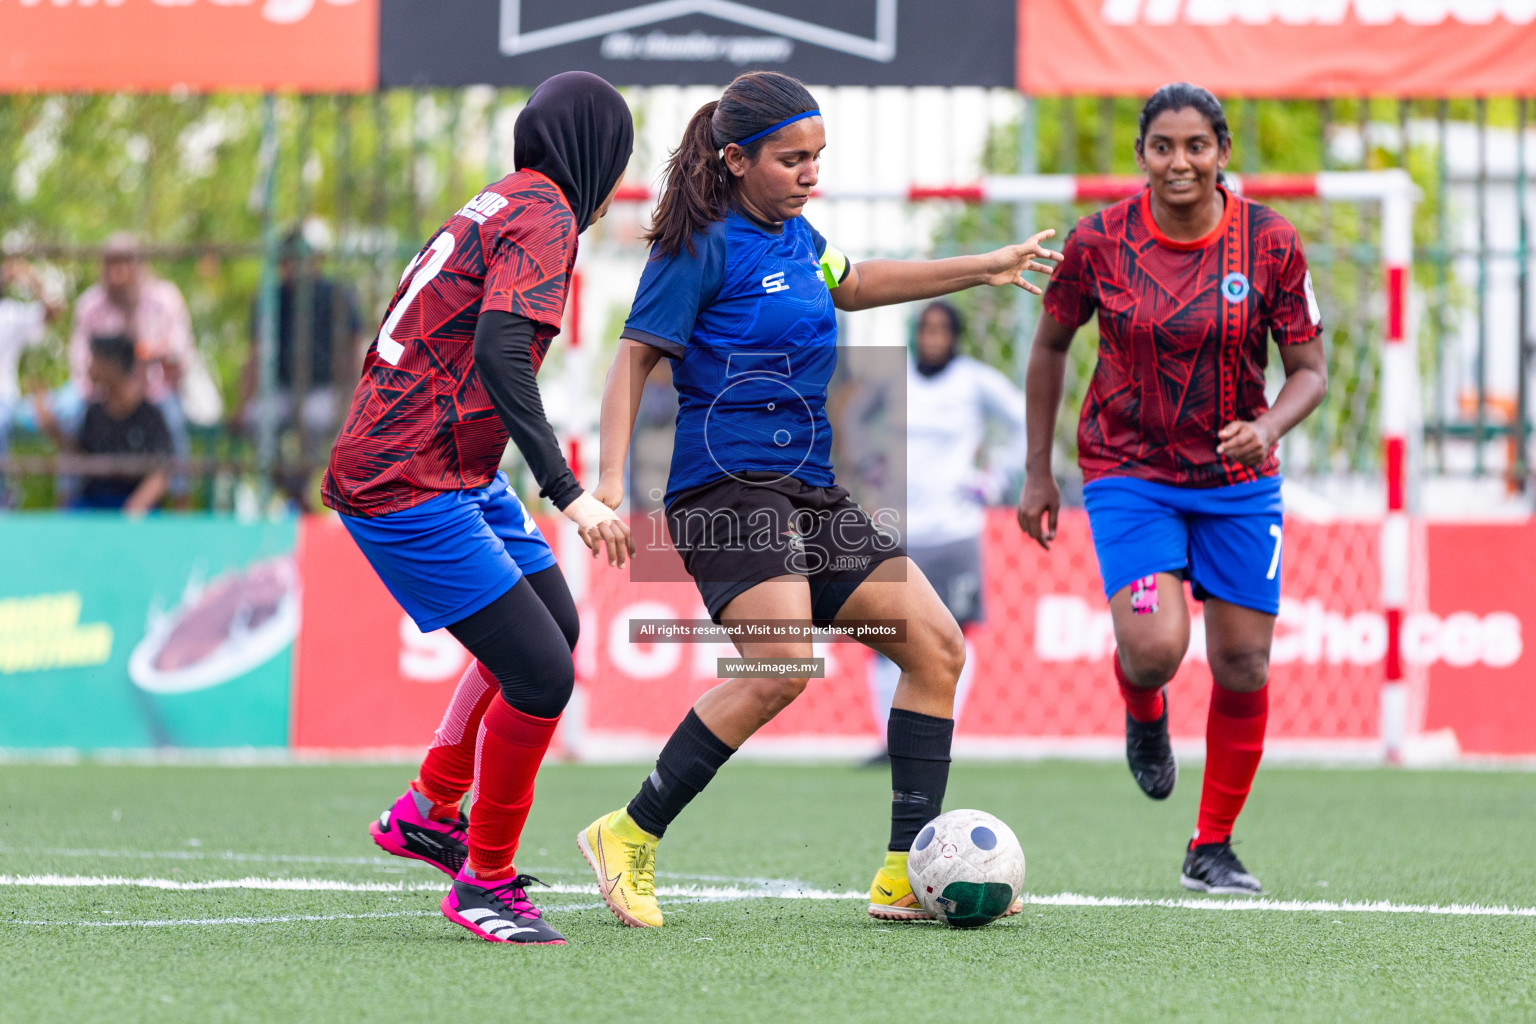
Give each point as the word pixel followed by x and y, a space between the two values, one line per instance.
pixel 1274 562
pixel 443 246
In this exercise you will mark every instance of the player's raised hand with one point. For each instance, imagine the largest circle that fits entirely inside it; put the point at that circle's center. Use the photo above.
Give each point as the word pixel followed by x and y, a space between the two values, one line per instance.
pixel 1009 264
pixel 600 527
pixel 1247 443
pixel 1039 504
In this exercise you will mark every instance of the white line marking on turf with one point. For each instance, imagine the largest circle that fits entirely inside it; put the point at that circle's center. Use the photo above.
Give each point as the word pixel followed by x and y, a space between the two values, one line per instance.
pixel 1072 899
pixel 281 919
pixel 287 919
pixel 283 858
pixel 750 891
pixel 703 892
pixel 180 885
pixel 226 855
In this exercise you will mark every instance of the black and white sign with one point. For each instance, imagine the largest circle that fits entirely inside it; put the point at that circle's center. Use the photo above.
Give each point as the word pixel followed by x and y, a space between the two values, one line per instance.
pixel 698 42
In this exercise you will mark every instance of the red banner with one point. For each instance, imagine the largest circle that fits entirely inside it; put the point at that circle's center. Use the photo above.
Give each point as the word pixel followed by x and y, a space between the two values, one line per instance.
pixel 366 678
pixel 99 45
pixel 1285 48
pixel 1483 682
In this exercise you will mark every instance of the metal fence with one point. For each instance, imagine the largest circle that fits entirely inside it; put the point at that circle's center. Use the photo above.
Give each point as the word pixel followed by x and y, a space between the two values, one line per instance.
pixel 215 184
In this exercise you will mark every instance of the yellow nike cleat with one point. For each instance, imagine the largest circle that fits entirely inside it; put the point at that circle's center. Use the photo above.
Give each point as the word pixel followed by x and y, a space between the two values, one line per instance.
pixel 623 855
pixel 890 894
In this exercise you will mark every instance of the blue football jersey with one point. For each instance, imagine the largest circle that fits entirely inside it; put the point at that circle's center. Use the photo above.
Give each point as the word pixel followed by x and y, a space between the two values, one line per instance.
pixel 748 319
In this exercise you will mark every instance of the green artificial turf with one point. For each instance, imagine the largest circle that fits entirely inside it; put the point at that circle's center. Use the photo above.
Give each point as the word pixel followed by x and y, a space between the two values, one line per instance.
pixel 1408 837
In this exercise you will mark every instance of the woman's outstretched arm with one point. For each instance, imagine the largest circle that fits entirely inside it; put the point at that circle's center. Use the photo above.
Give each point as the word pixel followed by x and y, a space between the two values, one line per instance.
pixel 886 282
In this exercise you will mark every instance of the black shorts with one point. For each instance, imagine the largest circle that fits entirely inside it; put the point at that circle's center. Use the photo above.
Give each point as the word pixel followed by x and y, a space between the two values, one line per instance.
pixel 741 530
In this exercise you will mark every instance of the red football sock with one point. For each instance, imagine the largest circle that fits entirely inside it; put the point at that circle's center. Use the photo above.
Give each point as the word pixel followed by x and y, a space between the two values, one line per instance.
pixel 1234 744
pixel 511 747
pixel 1144 705
pixel 448 770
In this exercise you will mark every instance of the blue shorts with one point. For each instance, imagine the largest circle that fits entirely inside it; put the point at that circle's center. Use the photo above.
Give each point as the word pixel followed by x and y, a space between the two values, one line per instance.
pixel 449 557
pixel 1225 540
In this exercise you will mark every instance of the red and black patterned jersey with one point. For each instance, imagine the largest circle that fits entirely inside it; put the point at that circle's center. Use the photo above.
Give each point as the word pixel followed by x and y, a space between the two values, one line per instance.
pixel 421 422
pixel 1183 335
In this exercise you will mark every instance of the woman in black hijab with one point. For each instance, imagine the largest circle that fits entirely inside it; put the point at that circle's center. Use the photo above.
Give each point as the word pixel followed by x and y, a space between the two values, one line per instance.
pixel 414 475
pixel 577 132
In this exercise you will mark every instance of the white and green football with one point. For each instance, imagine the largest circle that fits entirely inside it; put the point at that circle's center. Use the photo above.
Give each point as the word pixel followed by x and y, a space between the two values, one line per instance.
pixel 966 868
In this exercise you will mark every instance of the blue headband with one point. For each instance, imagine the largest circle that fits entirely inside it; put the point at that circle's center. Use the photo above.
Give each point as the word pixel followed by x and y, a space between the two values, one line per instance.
pixel 782 124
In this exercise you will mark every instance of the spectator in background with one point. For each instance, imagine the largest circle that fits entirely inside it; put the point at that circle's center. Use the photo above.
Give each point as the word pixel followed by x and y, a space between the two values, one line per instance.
pixel 118 421
pixel 22 325
pixel 314 314
pixel 131 301
pixel 953 403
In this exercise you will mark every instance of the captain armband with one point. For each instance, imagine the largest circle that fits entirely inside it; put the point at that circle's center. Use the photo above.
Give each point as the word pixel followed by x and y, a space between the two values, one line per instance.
pixel 834 267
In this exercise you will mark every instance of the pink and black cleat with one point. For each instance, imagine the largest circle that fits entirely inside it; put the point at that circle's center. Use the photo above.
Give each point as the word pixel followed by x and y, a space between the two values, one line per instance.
pixel 499 911
pixel 405 831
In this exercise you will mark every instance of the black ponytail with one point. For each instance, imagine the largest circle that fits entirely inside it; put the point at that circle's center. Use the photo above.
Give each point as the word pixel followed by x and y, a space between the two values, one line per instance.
pixel 698 187
pixel 1184 96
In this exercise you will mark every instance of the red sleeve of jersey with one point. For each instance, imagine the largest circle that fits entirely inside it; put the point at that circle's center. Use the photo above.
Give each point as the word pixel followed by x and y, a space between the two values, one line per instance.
pixel 1295 317
pixel 1069 296
pixel 528 269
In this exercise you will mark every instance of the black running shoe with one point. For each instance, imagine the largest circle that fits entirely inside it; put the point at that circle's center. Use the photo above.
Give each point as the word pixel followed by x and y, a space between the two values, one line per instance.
pixel 1214 868
pixel 405 831
pixel 500 912
pixel 1150 755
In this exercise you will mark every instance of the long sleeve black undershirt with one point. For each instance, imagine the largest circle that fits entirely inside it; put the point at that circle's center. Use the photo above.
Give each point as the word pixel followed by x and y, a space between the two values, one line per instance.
pixel 504 357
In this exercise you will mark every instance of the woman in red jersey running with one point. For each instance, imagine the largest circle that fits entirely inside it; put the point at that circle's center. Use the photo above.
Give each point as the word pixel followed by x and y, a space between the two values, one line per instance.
pixel 1177 443
pixel 414 476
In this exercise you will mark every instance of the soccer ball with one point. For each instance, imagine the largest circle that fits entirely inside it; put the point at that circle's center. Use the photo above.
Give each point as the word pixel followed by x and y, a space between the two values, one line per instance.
pixel 966 868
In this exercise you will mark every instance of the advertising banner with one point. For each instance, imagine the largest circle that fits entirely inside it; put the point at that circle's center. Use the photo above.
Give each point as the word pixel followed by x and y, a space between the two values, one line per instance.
pixel 100 45
pixel 1299 48
pixel 167 632
pixel 186 632
pixel 1483 683
pixel 697 42
pixel 365 678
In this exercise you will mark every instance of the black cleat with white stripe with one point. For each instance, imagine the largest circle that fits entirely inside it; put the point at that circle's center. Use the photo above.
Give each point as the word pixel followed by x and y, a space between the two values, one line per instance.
pixel 499 911
pixel 405 830
pixel 1214 868
pixel 1150 754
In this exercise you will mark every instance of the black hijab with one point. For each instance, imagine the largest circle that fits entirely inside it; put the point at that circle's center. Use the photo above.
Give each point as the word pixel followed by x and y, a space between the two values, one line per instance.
pixel 576 130
pixel 956 329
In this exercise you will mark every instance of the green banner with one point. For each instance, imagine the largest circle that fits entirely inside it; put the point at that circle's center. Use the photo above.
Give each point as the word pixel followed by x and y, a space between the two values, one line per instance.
pixel 169 631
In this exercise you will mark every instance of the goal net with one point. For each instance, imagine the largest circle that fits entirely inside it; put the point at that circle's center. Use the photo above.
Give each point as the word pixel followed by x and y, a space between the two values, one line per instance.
pixel 1353 565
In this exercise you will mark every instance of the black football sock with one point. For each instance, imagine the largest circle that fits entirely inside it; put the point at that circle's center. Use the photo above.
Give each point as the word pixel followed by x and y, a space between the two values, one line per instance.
pixel 687 763
pixel 919 746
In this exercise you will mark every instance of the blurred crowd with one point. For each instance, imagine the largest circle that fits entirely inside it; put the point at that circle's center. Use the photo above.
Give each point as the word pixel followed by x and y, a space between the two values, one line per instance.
pixel 121 425
pixel 120 430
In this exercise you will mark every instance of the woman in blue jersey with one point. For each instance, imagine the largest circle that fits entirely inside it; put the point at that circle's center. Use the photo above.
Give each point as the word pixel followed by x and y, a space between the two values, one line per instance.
pixel 741 293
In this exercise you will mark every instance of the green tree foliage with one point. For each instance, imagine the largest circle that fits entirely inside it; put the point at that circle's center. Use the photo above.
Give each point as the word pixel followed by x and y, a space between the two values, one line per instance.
pixel 188 174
